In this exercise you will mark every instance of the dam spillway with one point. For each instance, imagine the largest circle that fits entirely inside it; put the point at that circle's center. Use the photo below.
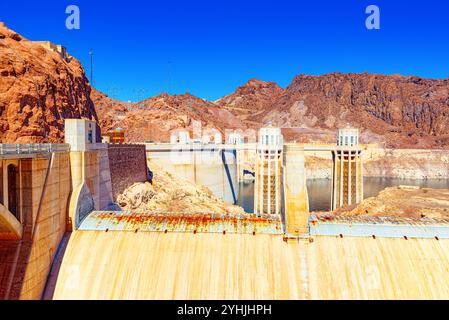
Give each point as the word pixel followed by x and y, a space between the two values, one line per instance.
pixel 106 259
pixel 155 265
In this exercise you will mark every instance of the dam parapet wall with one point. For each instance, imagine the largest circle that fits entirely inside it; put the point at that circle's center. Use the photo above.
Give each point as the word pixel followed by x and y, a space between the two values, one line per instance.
pixel 379 227
pixel 128 165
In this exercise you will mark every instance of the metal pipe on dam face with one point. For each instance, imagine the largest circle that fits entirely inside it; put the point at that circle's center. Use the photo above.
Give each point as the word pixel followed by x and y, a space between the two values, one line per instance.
pixel 212 166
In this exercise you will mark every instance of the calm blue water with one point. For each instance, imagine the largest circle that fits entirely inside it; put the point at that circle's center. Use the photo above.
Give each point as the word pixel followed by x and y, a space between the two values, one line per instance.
pixel 320 190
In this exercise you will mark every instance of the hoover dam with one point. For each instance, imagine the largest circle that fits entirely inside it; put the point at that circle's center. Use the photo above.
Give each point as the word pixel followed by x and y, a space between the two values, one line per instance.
pixel 144 265
pixel 64 237
pixel 224 151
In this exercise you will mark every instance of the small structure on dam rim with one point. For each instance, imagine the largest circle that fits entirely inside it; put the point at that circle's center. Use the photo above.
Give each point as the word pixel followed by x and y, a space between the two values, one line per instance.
pixel 116 136
pixel 267 188
pixel 347 179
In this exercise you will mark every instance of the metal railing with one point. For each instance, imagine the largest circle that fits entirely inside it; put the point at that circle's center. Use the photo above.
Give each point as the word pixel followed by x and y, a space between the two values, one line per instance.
pixel 12 149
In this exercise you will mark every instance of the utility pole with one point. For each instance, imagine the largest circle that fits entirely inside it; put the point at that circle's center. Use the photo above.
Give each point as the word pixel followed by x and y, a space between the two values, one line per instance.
pixel 91 54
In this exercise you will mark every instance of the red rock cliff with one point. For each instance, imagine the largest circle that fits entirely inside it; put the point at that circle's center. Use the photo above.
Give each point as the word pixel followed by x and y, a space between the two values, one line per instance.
pixel 38 90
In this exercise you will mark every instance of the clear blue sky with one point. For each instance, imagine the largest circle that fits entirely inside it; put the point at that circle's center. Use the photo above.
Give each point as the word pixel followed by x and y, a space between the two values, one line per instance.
pixel 208 48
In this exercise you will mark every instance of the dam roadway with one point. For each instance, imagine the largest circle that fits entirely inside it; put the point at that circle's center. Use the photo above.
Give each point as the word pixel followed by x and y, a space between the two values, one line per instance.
pixel 105 264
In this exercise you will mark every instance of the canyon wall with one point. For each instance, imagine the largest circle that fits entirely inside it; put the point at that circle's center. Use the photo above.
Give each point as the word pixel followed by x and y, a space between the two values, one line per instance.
pixel 39 88
pixel 396 111
pixel 154 118
pixel 407 164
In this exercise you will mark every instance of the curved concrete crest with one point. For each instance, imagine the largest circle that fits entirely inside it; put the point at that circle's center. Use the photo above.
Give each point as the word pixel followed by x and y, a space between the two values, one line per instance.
pixel 81 204
pixel 10 227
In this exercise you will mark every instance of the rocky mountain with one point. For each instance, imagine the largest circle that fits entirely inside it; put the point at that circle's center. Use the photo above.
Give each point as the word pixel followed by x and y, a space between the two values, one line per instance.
pixel 252 99
pixel 395 111
pixel 111 112
pixel 153 119
pixel 39 88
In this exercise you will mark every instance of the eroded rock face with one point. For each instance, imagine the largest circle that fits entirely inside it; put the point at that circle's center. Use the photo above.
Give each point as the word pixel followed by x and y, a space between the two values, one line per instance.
pixel 387 163
pixel 110 111
pixel 171 194
pixel 392 111
pixel 38 90
pixel 396 110
pixel 251 99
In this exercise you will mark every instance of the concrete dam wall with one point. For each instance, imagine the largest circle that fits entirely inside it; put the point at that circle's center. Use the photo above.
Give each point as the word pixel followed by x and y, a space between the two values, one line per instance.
pixel 56 191
pixel 45 186
pixel 154 265
pixel 45 194
pixel 211 166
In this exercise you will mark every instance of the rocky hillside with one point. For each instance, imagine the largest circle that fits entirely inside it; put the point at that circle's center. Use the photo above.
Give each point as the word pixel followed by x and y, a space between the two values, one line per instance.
pixel 38 90
pixel 396 111
pixel 110 111
pixel 154 118
pixel 392 111
pixel 252 99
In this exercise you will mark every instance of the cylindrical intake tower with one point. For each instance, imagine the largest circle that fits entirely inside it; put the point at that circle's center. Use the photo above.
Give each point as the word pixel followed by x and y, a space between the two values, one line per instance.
pixel 347 179
pixel 267 191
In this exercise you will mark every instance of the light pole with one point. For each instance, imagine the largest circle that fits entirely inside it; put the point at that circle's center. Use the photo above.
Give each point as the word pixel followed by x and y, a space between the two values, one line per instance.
pixel 91 54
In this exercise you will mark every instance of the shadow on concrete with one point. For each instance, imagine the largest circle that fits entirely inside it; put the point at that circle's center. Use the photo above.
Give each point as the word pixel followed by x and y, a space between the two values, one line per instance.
pixel 52 278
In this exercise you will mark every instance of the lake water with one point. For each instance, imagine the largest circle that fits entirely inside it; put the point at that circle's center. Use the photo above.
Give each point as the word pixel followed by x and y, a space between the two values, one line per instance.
pixel 320 190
